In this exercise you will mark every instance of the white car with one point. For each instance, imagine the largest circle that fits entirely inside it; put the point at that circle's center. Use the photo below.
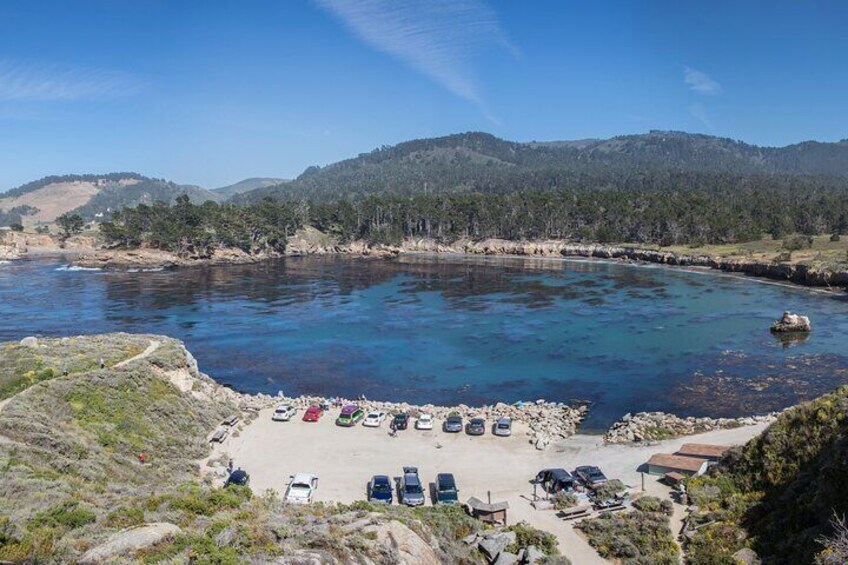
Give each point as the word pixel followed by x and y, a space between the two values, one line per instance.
pixel 503 427
pixel 424 422
pixel 374 419
pixel 283 413
pixel 301 489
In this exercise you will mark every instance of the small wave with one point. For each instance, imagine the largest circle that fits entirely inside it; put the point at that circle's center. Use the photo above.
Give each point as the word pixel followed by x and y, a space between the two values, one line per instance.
pixel 4 262
pixel 153 270
pixel 75 268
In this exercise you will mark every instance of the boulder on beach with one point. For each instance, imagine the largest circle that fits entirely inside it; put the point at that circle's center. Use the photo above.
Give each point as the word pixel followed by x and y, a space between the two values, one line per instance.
pixel 791 323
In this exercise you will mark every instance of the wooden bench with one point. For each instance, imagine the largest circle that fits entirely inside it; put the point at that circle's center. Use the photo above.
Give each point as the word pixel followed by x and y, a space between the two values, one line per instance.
pixel 231 421
pixel 579 511
pixel 220 435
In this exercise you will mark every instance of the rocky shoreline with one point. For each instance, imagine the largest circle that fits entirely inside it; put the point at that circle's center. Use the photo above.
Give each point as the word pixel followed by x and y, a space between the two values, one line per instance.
pixel 311 242
pixel 656 426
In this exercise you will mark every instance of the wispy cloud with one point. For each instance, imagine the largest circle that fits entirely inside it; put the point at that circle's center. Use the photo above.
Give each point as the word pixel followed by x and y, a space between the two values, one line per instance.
pixel 699 112
pixel 40 82
pixel 700 81
pixel 438 38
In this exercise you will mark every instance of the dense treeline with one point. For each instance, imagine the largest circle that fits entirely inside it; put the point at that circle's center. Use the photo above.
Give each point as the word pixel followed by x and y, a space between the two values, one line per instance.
pixel 190 228
pixel 479 162
pixel 649 217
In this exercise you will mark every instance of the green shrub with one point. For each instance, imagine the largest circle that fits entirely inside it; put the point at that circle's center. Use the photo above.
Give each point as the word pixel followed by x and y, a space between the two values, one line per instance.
pixel 125 516
pixel 797 242
pixel 634 538
pixel 610 488
pixel 564 500
pixel 526 535
pixel 66 515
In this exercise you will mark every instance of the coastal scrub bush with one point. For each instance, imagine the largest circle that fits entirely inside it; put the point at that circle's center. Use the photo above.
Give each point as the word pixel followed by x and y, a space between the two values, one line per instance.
pixel 835 550
pixel 125 516
pixel 610 488
pixel 654 504
pixel 564 500
pixel 67 515
pixel 526 535
pixel 798 242
pixel 633 538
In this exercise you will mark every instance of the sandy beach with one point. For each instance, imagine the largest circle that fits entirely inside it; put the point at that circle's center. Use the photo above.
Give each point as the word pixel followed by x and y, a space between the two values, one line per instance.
pixel 345 459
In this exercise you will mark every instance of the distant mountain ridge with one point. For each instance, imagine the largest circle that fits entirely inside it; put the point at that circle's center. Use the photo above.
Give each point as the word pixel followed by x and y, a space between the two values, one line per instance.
pixel 481 162
pixel 247 185
pixel 44 200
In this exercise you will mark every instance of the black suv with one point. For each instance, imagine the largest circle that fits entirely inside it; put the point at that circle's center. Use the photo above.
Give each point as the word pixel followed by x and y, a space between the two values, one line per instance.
pixel 555 480
pixel 400 421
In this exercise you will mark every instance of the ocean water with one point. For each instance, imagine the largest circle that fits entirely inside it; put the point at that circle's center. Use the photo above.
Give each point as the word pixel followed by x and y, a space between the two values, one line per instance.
pixel 454 329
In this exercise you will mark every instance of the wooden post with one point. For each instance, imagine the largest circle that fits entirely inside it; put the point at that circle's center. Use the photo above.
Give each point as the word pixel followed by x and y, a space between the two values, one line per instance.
pixel 643 481
pixel 489 493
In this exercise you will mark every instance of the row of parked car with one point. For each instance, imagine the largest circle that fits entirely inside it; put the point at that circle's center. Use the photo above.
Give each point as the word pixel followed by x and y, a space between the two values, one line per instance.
pixel 352 414
pixel 553 481
pixel 410 490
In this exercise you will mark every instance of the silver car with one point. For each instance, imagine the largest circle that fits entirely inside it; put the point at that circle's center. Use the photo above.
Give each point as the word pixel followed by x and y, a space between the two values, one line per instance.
pixel 410 491
pixel 503 427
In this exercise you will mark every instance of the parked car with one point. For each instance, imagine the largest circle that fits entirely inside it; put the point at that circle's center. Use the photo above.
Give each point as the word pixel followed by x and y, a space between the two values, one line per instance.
pixel 283 413
pixel 313 414
pixel 453 423
pixel 503 427
pixel 380 489
pixel 410 491
pixel 400 421
pixel 424 422
pixel 374 419
pixel 446 491
pixel 350 415
pixel 238 477
pixel 590 475
pixel 476 427
pixel 301 489
pixel 553 481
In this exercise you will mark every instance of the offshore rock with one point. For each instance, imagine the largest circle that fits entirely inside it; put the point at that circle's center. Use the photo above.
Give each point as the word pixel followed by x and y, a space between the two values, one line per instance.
pixel 790 322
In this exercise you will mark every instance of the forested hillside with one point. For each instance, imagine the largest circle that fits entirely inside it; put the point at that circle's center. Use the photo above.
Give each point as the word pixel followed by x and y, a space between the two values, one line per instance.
pixel 479 162
pixel 147 191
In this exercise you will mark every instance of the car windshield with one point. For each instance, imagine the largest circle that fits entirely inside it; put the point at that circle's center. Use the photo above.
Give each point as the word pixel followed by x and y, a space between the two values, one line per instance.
pixel 382 487
pixel 300 486
pixel 503 425
pixel 446 484
pixel 282 409
pixel 412 488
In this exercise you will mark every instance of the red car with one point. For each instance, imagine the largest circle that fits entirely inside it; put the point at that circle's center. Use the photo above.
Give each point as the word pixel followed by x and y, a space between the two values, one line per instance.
pixel 313 413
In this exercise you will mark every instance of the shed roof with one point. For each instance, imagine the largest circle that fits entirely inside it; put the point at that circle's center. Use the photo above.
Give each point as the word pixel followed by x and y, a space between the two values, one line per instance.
pixel 703 450
pixel 679 462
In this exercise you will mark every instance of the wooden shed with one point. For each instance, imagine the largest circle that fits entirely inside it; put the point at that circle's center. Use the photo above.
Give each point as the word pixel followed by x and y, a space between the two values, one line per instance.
pixel 665 463
pixel 491 513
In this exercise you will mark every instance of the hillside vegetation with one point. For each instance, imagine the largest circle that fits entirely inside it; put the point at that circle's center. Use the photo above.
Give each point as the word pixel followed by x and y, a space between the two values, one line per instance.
pixel 780 493
pixel 479 162
pixel 43 201
pixel 71 476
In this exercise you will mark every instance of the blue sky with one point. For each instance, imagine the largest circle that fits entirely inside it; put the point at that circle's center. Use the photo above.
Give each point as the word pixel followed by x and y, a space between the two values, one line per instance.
pixel 212 92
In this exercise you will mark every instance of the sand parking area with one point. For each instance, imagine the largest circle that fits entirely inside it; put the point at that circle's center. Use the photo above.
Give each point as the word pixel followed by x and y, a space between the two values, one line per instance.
pixel 345 459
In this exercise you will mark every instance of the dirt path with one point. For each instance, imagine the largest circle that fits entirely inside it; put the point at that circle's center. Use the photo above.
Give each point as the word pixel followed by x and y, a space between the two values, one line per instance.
pixel 154 345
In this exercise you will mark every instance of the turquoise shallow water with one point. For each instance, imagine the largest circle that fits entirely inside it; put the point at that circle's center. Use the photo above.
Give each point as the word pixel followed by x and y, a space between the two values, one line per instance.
pixel 452 329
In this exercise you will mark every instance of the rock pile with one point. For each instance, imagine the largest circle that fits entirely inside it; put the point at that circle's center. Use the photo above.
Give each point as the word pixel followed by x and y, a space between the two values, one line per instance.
pixel 494 544
pixel 547 421
pixel 790 322
pixel 654 426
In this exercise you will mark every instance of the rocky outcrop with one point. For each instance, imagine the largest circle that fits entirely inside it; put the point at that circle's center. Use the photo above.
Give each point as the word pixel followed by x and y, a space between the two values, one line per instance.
pixel 792 323
pixel 405 546
pixel 655 426
pixel 130 541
